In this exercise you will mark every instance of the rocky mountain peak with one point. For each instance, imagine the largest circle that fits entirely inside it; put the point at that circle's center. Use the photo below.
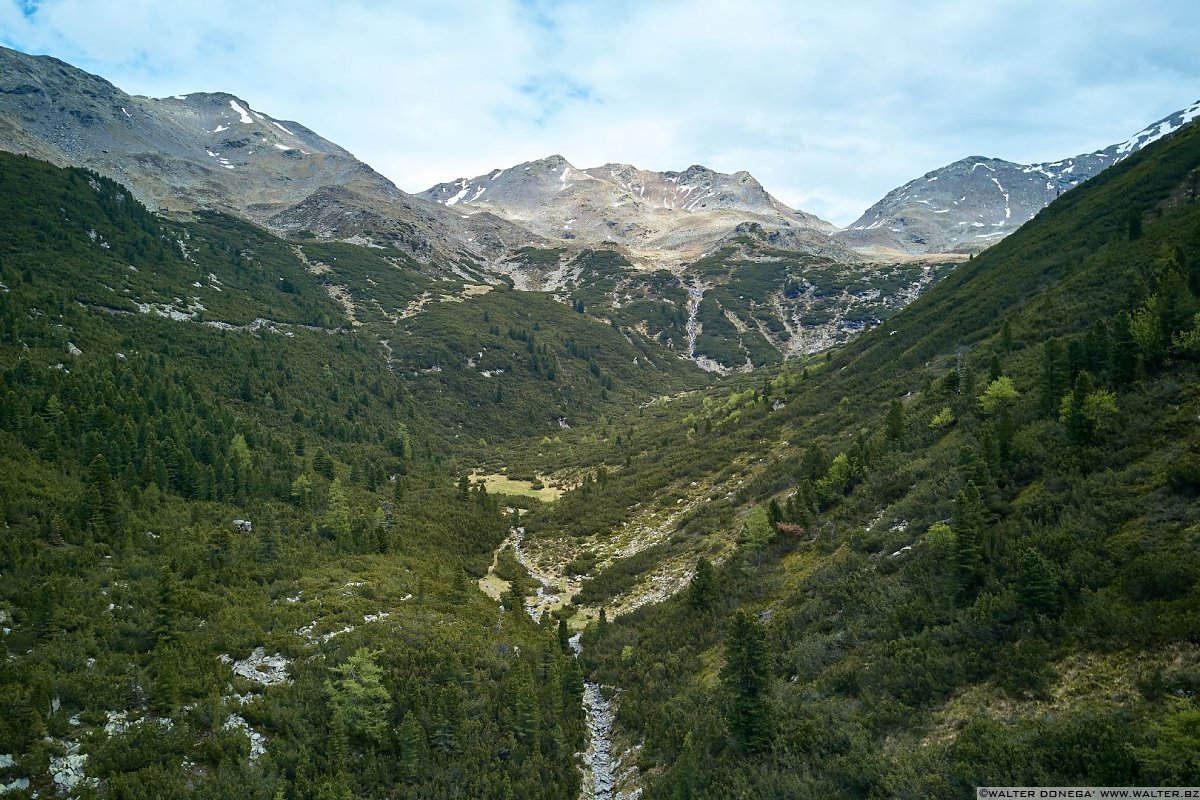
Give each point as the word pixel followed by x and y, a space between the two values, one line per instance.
pixel 673 215
pixel 976 201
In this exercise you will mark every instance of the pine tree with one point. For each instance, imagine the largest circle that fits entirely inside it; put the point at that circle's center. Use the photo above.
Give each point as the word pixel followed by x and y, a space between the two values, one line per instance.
pixel 564 636
pixel 894 425
pixel 747 679
pixel 337 747
pixel 550 679
pixel 411 740
pixel 702 589
pixel 774 512
pixel 337 516
pixel 968 533
pixel 357 691
pixel 686 778
pixel 523 711
pixel 572 683
pixel 1037 584
pixel 167 624
pixel 447 721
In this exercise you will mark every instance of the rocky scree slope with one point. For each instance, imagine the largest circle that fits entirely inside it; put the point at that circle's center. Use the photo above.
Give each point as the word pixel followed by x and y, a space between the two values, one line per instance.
pixel 973 203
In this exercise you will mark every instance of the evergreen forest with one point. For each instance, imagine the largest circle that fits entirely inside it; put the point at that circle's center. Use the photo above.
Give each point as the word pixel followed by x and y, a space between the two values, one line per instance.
pixel 252 493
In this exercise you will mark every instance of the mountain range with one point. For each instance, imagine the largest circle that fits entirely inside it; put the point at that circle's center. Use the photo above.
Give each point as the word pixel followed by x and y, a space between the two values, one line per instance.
pixel 745 280
pixel 668 218
pixel 972 203
pixel 215 151
pixel 289 516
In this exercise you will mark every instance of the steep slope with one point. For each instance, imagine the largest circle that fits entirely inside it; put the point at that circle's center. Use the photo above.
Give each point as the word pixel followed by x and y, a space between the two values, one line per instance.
pixel 971 204
pixel 227 519
pixel 986 571
pixel 599 239
pixel 657 218
pixel 214 151
pixel 709 265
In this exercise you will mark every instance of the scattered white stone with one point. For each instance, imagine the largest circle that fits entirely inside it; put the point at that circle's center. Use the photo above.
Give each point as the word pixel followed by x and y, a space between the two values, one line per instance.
pixel 67 771
pixel 6 761
pixel 118 722
pixel 19 785
pixel 334 634
pixel 260 667
pixel 258 742
pixel 73 350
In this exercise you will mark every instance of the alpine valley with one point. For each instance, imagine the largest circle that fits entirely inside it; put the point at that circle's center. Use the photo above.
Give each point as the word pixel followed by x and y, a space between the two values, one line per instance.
pixel 584 482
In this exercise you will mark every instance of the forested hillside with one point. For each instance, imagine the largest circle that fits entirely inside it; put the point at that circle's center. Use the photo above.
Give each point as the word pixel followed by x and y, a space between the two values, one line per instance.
pixel 162 380
pixel 966 546
pixel 242 554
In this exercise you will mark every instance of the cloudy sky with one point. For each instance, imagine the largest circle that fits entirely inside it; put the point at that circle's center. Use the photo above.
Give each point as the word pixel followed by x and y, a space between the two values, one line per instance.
pixel 828 104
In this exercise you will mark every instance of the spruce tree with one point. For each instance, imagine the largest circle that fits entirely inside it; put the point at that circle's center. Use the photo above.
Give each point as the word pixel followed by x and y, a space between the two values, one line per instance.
pixel 747 679
pixel 411 741
pixel 968 532
pixel 1037 584
pixel 894 425
pixel 564 636
pixel 686 778
pixel 358 693
pixel 702 589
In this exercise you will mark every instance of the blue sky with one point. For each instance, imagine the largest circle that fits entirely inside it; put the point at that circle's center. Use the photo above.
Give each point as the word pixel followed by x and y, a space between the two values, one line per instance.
pixel 829 105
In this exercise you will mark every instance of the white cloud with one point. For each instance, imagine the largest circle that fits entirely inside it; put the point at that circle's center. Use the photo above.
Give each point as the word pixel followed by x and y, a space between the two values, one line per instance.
pixel 829 106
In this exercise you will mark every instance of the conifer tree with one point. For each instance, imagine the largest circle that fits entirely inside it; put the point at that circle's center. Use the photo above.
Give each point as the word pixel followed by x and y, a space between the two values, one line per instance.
pixel 564 636
pixel 894 425
pixel 747 679
pixel 687 773
pixel 523 712
pixel 411 741
pixel 1037 584
pixel 337 516
pixel 968 533
pixel 447 721
pixel 357 691
pixel 702 588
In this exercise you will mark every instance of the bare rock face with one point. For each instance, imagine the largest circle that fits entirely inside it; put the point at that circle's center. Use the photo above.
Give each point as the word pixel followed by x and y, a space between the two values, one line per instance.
pixel 653 216
pixel 215 151
pixel 973 203
pixel 203 149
